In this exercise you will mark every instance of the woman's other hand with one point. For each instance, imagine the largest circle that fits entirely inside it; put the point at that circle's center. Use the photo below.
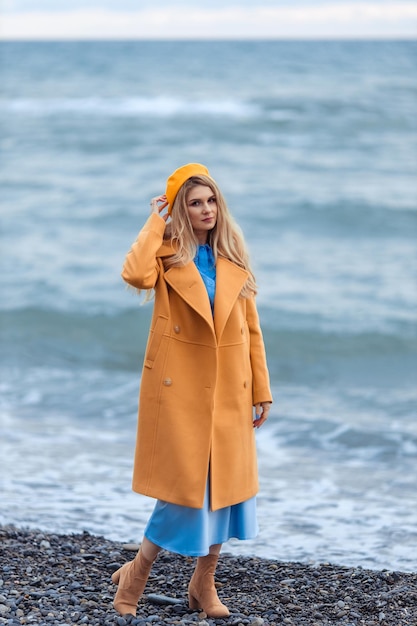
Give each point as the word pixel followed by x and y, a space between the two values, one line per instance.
pixel 261 413
pixel 158 204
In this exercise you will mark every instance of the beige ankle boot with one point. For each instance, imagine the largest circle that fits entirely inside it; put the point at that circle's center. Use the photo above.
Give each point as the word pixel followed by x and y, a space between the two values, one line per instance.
pixel 131 580
pixel 202 593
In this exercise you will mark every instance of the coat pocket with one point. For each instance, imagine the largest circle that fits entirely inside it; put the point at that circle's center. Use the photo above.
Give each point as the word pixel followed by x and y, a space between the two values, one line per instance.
pixel 155 339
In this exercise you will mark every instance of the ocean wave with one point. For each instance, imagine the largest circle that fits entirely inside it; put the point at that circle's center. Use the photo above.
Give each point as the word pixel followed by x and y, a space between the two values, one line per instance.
pixel 361 440
pixel 163 107
pixel 276 109
pixel 116 341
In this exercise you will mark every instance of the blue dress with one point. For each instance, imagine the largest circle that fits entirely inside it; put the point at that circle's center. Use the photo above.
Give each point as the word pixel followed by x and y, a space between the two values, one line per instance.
pixel 190 531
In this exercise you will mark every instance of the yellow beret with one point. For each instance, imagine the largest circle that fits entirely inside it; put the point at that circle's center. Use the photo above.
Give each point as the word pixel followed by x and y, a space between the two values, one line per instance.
pixel 178 178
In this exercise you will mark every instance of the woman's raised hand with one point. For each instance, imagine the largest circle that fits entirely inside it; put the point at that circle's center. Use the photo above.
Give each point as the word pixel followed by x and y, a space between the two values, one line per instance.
pixel 158 204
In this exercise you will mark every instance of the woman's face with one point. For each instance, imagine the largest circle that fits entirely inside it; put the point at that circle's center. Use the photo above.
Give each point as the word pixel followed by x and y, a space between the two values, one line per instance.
pixel 202 209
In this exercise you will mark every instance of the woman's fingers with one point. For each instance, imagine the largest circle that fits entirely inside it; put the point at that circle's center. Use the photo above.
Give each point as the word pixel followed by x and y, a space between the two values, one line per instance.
pixel 261 413
pixel 158 204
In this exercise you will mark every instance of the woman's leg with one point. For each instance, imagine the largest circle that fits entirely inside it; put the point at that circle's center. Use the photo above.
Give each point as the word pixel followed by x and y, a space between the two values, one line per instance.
pixel 202 593
pixel 149 549
pixel 132 576
pixel 215 548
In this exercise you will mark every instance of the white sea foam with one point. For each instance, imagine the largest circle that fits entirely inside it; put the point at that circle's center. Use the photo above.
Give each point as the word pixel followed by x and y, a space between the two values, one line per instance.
pixel 164 107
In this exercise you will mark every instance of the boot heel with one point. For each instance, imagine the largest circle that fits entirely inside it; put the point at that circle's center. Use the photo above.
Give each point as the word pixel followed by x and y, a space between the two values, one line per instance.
pixel 116 576
pixel 193 602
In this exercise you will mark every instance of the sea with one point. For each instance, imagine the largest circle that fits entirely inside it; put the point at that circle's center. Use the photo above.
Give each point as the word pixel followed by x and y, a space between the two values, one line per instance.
pixel 314 145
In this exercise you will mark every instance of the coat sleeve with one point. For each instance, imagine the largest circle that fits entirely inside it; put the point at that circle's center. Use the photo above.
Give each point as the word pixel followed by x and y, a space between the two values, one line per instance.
pixel 141 268
pixel 260 376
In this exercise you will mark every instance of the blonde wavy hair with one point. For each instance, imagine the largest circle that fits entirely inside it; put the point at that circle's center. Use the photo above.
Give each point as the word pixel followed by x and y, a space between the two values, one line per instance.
pixel 226 238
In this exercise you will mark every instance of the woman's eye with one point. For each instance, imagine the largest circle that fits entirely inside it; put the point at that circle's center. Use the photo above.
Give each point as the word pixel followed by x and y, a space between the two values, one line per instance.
pixel 213 199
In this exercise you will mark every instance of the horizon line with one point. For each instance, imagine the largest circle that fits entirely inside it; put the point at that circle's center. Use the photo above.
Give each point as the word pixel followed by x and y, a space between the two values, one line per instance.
pixel 312 38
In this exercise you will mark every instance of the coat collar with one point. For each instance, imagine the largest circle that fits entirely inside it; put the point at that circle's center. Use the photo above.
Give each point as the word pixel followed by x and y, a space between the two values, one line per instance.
pixel 230 279
pixel 187 282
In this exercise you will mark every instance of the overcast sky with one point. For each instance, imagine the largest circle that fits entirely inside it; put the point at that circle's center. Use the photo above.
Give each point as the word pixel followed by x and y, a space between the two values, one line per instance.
pixel 206 19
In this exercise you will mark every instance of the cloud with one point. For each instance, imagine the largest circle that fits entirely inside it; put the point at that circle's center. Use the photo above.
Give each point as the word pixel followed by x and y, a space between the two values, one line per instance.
pixel 366 19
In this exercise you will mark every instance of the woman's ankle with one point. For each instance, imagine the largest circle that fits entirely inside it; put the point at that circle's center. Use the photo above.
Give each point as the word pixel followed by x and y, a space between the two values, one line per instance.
pixel 149 549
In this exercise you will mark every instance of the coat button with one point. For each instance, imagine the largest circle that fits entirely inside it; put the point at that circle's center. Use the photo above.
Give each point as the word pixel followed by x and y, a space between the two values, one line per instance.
pixel 167 382
pixel 176 329
pixel 242 330
pixel 245 384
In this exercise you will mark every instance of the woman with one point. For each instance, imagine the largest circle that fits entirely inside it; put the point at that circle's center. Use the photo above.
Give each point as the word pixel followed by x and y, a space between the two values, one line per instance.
pixel 204 370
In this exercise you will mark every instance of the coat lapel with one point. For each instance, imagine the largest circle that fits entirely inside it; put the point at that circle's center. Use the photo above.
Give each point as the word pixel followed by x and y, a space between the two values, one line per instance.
pixel 187 282
pixel 229 282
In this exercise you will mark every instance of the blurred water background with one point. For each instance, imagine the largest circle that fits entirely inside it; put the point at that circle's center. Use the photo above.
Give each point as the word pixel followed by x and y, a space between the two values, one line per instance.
pixel 314 145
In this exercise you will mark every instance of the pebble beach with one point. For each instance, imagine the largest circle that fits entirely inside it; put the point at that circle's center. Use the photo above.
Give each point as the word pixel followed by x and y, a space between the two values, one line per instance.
pixel 51 579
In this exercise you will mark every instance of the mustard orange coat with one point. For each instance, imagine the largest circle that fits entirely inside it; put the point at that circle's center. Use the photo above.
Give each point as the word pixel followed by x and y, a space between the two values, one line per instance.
pixel 200 380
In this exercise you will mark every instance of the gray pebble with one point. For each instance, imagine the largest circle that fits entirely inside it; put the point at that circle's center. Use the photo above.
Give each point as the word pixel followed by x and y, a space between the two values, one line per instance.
pixel 131 547
pixel 157 598
pixel 75 585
